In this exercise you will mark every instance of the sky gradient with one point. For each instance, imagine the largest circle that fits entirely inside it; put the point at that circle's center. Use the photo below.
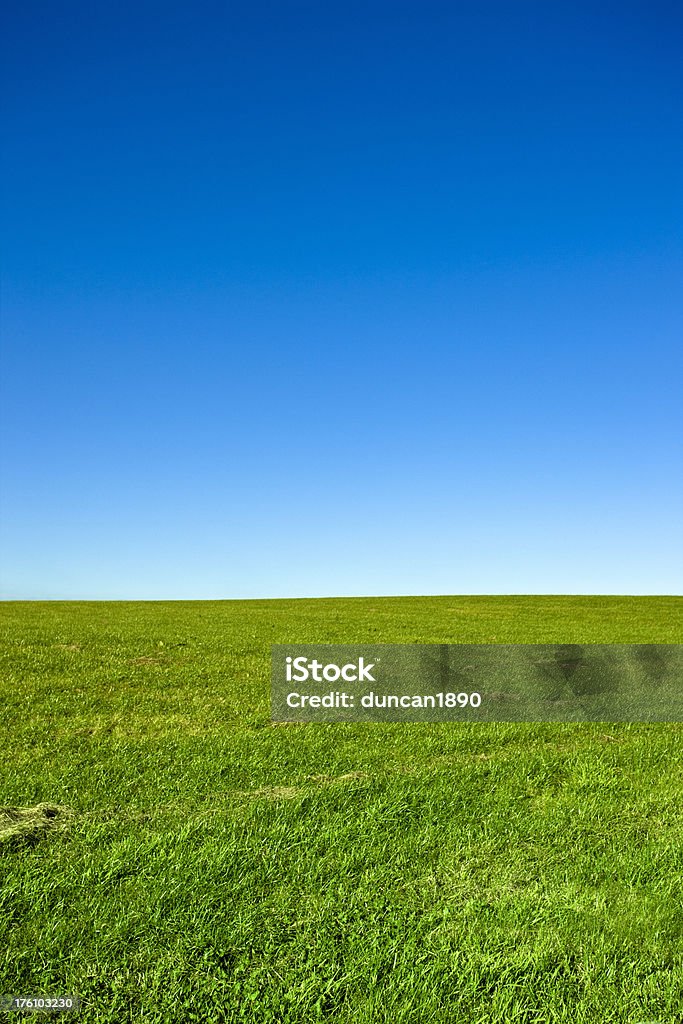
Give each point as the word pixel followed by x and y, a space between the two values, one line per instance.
pixel 342 299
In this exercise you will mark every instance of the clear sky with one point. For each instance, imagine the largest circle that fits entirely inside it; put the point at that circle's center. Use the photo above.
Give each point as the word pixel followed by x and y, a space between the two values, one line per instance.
pixel 317 299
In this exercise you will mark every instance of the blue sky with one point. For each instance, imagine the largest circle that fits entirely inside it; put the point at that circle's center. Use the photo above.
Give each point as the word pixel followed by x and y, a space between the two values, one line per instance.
pixel 307 299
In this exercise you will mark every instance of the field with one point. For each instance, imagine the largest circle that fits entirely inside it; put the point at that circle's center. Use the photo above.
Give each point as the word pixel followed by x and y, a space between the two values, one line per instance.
pixel 186 860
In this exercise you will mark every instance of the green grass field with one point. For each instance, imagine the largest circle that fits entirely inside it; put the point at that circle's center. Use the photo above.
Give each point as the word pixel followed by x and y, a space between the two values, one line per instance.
pixel 194 862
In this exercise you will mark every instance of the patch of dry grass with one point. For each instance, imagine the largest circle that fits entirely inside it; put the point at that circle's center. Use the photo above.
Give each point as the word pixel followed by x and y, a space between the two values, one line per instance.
pixel 26 825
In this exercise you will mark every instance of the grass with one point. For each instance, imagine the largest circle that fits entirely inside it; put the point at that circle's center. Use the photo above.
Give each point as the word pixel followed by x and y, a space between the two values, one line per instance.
pixel 169 855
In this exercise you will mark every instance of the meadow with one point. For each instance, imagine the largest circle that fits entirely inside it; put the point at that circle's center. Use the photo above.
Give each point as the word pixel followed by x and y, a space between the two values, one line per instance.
pixel 169 854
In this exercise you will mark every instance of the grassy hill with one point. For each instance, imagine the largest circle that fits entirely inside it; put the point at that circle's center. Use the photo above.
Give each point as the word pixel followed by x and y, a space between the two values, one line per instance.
pixel 170 855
